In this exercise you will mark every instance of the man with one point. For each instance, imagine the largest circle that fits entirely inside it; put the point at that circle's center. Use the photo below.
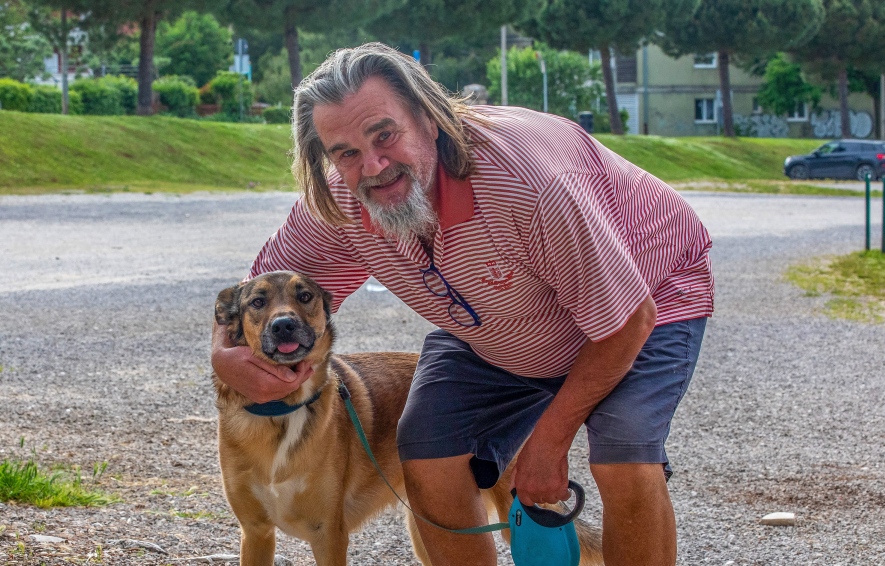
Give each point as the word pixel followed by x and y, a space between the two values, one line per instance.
pixel 570 287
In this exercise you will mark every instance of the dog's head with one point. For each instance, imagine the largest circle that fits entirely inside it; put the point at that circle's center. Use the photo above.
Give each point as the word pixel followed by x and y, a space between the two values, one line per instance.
pixel 285 317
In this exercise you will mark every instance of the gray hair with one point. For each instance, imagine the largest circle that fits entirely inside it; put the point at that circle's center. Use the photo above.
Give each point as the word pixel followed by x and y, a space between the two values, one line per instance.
pixel 342 74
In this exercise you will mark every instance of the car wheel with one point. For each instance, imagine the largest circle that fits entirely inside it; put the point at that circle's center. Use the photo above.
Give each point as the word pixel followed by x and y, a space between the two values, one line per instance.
pixel 798 172
pixel 863 170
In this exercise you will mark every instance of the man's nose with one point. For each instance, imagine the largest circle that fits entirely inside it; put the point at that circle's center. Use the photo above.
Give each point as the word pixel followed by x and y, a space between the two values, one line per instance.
pixel 374 163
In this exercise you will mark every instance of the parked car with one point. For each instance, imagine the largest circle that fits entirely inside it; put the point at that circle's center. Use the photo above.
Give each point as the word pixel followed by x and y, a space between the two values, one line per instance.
pixel 839 159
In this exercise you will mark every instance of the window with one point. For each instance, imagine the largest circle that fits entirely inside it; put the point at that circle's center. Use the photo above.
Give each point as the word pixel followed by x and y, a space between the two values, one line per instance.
pixel 704 110
pixel 799 113
pixel 756 108
pixel 705 61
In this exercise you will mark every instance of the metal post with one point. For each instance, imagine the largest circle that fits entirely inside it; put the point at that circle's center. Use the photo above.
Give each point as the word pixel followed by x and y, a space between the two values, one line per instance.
pixel 883 215
pixel 540 58
pixel 504 65
pixel 882 106
pixel 867 194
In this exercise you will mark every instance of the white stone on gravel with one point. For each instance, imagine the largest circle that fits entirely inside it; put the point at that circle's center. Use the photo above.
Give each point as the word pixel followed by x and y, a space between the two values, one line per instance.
pixel 46 538
pixel 779 519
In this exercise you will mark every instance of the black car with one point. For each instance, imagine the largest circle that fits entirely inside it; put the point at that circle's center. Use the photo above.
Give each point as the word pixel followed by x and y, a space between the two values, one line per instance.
pixel 839 159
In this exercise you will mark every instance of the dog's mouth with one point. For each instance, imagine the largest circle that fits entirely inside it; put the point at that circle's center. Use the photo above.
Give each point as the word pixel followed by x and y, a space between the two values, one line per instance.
pixel 288 352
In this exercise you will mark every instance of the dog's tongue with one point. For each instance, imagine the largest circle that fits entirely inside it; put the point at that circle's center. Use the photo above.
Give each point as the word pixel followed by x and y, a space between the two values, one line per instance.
pixel 288 347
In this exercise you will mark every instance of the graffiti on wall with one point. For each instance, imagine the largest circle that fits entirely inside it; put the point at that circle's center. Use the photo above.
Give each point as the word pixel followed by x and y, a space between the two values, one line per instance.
pixel 828 124
pixel 761 126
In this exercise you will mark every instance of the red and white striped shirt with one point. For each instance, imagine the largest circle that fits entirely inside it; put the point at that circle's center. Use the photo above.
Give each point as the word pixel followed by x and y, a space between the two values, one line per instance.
pixel 553 240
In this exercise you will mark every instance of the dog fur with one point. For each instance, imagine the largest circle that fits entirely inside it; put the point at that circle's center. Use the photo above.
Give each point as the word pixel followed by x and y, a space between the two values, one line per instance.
pixel 306 473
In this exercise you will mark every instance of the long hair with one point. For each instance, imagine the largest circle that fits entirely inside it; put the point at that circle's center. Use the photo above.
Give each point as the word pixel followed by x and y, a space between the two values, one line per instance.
pixel 342 74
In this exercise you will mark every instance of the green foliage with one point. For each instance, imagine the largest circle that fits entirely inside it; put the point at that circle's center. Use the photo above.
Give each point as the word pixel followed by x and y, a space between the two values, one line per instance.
pixel 277 115
pixel 601 124
pixel 24 482
pixel 233 91
pixel 47 100
pixel 785 88
pixel 108 95
pixel 15 95
pixel 276 85
pixel 196 45
pixel 21 50
pixel 179 94
pixel 567 76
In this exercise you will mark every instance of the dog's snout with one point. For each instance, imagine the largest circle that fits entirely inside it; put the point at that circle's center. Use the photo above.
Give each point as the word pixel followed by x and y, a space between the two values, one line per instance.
pixel 283 327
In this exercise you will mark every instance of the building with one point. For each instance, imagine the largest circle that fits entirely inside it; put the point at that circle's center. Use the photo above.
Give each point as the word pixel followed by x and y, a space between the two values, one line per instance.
pixel 681 97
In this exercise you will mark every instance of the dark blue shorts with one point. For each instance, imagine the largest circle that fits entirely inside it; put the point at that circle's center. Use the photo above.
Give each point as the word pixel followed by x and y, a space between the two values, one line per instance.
pixel 460 404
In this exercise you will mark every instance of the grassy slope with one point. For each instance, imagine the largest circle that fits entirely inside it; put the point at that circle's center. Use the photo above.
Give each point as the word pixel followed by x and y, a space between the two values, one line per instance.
pixel 41 152
pixel 54 151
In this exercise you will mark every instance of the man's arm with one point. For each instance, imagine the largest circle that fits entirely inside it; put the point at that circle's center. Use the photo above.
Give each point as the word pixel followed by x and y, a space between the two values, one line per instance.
pixel 541 473
pixel 254 378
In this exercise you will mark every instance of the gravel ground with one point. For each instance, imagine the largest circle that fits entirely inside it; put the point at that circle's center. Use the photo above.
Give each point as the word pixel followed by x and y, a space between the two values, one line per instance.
pixel 106 306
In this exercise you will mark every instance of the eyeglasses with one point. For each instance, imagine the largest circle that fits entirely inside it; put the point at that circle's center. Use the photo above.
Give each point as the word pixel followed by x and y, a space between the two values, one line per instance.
pixel 459 310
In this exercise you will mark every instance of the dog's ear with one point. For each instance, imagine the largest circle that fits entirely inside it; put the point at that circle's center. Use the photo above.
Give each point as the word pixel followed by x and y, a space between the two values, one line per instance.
pixel 227 307
pixel 327 305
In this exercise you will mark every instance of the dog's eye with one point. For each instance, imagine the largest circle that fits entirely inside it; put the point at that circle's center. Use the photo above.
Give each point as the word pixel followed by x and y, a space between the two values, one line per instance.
pixel 305 297
pixel 258 303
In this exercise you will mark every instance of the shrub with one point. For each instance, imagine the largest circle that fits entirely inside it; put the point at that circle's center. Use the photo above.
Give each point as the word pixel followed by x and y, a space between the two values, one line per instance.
pixel 128 89
pixel 107 95
pixel 179 94
pixel 229 87
pixel 15 95
pixel 277 115
pixel 47 100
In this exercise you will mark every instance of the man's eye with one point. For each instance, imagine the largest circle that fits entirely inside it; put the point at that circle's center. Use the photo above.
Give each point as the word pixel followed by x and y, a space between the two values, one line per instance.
pixel 258 303
pixel 348 153
pixel 383 136
pixel 305 297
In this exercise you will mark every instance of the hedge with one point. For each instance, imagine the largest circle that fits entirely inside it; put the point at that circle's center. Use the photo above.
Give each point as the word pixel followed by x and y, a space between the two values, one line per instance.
pixel 107 95
pixel 277 115
pixel 15 95
pixel 228 86
pixel 47 100
pixel 179 94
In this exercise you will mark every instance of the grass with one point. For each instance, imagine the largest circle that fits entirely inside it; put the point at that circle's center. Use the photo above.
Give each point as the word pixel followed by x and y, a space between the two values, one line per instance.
pixel 24 482
pixel 51 153
pixel 42 153
pixel 854 283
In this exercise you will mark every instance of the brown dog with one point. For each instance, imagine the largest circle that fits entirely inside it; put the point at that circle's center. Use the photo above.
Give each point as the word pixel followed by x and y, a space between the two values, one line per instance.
pixel 306 472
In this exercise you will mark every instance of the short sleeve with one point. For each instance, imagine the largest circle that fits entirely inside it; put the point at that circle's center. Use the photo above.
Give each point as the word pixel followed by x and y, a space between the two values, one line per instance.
pixel 575 248
pixel 312 247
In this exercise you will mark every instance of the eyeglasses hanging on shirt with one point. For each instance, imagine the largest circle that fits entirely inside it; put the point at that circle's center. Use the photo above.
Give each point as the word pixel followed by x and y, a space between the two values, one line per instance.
pixel 459 310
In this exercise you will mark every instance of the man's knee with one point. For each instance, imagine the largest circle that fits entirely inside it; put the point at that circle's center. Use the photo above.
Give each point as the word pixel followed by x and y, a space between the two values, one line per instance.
pixel 630 483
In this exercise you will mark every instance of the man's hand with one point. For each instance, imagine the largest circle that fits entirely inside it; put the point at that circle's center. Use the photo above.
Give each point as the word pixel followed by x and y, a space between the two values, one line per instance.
pixel 540 474
pixel 254 378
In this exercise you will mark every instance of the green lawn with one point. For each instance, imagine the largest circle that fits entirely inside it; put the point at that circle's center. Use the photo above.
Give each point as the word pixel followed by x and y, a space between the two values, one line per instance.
pixel 48 153
pixel 40 152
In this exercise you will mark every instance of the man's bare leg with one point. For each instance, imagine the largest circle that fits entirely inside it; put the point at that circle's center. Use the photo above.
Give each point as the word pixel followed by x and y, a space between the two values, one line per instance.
pixel 638 524
pixel 444 491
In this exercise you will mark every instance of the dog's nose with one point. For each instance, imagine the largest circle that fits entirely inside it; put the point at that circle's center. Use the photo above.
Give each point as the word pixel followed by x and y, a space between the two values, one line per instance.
pixel 283 327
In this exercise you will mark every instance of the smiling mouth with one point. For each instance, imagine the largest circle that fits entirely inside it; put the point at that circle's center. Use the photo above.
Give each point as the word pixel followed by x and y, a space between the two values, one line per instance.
pixel 388 184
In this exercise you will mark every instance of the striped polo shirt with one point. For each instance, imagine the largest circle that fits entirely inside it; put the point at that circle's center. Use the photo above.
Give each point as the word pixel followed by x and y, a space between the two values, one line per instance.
pixel 553 240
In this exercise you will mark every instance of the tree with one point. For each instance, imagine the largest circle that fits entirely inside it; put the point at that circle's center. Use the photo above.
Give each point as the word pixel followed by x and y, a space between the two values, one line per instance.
pixel 22 51
pixel 582 25
pixel 196 45
pixel 52 19
pixel 426 23
pixel 852 35
pixel 290 16
pixel 785 87
pixel 736 28
pixel 568 74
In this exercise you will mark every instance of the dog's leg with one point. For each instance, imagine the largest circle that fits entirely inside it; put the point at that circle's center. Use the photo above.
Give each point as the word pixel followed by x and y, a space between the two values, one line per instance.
pixel 330 547
pixel 415 536
pixel 257 543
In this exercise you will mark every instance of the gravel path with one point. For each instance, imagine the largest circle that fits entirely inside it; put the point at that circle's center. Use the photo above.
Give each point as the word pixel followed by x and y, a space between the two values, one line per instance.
pixel 105 311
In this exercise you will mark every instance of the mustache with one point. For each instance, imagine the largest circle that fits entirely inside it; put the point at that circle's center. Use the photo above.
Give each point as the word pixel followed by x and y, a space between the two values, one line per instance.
pixel 385 177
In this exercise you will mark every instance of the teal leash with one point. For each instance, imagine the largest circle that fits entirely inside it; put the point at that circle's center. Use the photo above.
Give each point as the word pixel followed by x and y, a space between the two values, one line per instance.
pixel 354 418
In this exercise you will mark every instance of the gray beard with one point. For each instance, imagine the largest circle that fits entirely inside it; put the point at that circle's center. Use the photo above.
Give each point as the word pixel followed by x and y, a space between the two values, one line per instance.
pixel 415 215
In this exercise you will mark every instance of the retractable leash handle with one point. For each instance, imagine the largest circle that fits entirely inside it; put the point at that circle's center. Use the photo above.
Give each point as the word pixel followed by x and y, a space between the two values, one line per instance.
pixel 550 518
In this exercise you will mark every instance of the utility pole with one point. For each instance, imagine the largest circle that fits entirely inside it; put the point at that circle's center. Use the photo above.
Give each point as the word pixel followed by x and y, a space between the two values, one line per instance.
pixel 504 65
pixel 882 113
pixel 540 58
pixel 64 61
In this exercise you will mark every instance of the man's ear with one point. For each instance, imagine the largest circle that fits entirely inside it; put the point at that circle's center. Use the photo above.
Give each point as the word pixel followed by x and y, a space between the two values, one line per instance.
pixel 227 308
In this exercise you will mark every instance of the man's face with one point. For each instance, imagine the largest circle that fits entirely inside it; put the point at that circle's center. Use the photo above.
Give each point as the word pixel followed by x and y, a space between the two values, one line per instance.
pixel 385 155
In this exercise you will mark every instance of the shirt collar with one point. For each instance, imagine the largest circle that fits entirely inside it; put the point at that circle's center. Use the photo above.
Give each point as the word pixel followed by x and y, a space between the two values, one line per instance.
pixel 454 202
